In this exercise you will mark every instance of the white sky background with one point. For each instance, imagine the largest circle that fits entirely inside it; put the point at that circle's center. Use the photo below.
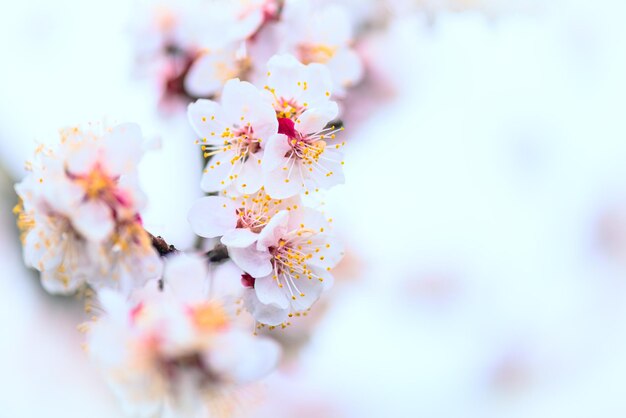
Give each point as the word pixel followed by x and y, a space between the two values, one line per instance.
pixel 474 198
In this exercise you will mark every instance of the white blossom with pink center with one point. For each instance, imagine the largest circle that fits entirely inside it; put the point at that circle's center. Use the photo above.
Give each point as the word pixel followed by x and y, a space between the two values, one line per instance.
pixel 238 220
pixel 79 211
pixel 289 266
pixel 176 351
pixel 304 156
pixel 232 135
pixel 293 87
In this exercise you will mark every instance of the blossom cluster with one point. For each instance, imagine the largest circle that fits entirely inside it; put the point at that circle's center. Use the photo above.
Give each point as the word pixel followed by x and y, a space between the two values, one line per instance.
pixel 79 211
pixel 266 147
pixel 178 350
pixel 166 339
pixel 196 46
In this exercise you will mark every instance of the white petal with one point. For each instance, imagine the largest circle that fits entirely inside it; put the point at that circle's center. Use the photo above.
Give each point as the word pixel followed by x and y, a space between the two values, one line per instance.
pixel 212 216
pixel 346 68
pixel 122 149
pixel 315 119
pixel 274 152
pixel 319 84
pixel 94 220
pixel 331 171
pixel 186 276
pixel 265 314
pixel 275 229
pixel 310 291
pixel 250 177
pixel 218 170
pixel 254 262
pixel 285 181
pixel 206 119
pixel 210 71
pixel 81 158
pixel 243 357
pixel 269 293
pixel 239 238
pixel 285 72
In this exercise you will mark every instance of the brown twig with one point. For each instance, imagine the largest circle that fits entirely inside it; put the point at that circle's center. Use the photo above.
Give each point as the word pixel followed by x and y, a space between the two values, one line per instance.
pixel 218 254
pixel 162 246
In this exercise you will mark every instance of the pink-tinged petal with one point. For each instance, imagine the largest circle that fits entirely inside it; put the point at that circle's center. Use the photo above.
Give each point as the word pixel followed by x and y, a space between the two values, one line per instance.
pixel 129 193
pixel 205 118
pixel 275 151
pixel 218 171
pixel 315 119
pixel 269 292
pixel 252 261
pixel 212 216
pixel 186 277
pixel 94 220
pixel 275 229
pixel 239 238
pixel 265 314
pixel 246 26
pixel 122 149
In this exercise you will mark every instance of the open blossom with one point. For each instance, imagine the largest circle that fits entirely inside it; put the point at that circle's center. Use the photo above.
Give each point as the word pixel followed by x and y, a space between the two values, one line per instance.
pixel 176 350
pixel 232 134
pixel 237 219
pixel 79 203
pixel 293 87
pixel 289 266
pixel 322 35
pixel 304 156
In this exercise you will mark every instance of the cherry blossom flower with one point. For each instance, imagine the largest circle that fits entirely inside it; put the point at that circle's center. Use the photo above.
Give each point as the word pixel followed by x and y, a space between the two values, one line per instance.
pixel 304 156
pixel 322 35
pixel 293 87
pixel 176 350
pixel 238 220
pixel 232 134
pixel 79 211
pixel 289 266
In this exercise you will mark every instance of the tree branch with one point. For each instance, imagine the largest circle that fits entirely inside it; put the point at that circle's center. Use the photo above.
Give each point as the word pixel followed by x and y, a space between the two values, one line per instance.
pixel 218 254
pixel 161 245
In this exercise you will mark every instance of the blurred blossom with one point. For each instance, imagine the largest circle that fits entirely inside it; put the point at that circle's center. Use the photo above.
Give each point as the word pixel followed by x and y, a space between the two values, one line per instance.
pixel 79 211
pixel 177 350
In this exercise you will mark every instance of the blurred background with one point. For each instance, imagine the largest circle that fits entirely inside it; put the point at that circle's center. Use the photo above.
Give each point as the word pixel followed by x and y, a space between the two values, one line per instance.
pixel 484 212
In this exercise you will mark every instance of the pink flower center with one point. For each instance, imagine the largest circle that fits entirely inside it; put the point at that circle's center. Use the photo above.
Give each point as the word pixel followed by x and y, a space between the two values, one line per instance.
pixel 287 127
